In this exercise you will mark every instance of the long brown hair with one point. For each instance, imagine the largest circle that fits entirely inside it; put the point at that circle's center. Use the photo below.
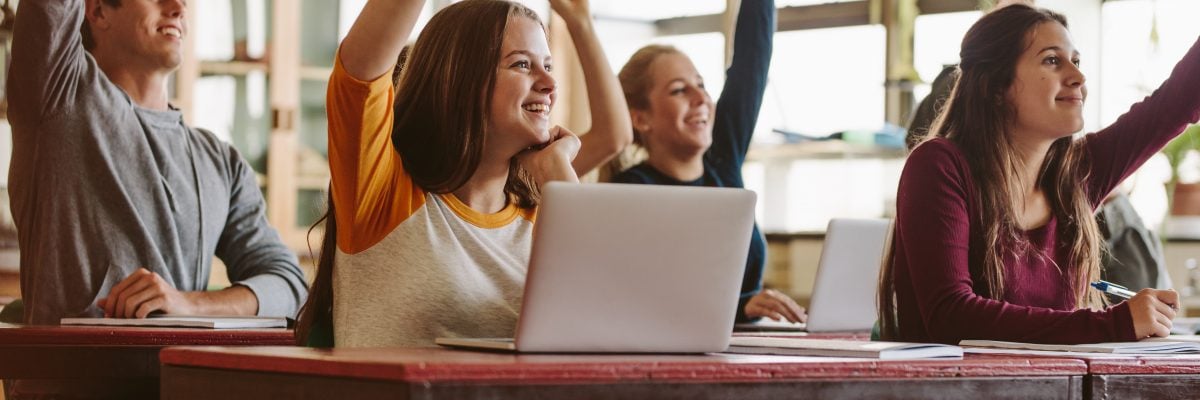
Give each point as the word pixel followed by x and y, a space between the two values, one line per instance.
pixel 441 113
pixel 977 119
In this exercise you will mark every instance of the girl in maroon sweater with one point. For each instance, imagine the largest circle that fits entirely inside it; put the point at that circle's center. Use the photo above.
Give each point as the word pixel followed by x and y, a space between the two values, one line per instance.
pixel 995 237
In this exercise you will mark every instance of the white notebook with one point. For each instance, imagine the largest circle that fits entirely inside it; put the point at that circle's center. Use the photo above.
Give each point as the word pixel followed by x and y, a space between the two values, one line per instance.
pixel 841 348
pixel 185 321
pixel 1167 345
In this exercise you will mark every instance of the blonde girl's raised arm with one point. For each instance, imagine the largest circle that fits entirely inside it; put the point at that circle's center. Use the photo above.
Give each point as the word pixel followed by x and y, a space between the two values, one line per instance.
pixel 374 42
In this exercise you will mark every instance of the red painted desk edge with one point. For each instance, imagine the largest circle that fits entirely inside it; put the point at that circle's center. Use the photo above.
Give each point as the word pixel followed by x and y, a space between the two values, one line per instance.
pixel 1139 366
pixel 29 335
pixel 1130 365
pixel 441 365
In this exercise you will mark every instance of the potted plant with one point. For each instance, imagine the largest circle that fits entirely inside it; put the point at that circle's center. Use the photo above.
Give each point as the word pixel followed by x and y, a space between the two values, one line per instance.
pixel 1182 198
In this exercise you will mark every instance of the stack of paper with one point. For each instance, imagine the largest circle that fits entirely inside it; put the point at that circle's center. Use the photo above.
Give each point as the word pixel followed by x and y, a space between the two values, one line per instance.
pixel 841 348
pixel 1167 345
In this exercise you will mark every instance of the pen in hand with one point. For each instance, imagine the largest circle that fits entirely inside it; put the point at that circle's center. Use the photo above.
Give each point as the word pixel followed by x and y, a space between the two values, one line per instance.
pixel 1113 289
pixel 1119 291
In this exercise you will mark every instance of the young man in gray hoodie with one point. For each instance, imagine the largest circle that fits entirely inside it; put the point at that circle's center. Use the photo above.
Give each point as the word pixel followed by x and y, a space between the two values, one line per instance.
pixel 119 205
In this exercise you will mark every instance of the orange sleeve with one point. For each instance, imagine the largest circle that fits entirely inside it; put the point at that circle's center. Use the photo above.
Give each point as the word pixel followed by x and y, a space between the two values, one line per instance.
pixel 372 193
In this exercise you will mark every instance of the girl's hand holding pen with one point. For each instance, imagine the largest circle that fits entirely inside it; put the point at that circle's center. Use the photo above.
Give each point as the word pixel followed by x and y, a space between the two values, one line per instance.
pixel 1152 312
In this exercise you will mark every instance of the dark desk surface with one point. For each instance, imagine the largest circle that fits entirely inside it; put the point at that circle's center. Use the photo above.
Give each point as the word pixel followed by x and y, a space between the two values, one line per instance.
pixel 35 335
pixel 251 372
pixel 51 352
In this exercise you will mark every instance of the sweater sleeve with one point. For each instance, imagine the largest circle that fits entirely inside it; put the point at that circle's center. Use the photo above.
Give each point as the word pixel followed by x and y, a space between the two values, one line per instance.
pixel 48 57
pixel 1121 148
pixel 745 84
pixel 933 224
pixel 252 251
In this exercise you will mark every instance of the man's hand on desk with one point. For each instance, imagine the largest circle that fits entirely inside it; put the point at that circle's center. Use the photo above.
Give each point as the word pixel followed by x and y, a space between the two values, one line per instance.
pixel 775 305
pixel 145 292
pixel 142 293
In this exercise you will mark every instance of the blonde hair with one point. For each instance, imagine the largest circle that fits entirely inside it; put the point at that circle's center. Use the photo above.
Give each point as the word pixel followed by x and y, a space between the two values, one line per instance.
pixel 636 79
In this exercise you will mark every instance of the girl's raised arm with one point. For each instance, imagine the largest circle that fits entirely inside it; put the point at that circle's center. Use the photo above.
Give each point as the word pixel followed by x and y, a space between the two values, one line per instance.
pixel 374 42
pixel 611 130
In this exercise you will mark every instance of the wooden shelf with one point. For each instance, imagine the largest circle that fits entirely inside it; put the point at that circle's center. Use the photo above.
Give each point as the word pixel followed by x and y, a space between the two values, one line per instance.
pixel 315 73
pixel 243 68
pixel 10 261
pixel 237 68
pixel 312 182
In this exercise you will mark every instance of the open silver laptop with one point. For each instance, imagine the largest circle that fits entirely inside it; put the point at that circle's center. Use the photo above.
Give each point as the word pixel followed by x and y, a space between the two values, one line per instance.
pixel 843 296
pixel 631 268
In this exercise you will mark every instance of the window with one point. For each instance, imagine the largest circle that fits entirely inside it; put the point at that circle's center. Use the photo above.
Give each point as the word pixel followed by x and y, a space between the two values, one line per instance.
pixel 937 40
pixel 1143 40
pixel 819 86
pixel 790 3
pixel 641 10
pixel 1134 63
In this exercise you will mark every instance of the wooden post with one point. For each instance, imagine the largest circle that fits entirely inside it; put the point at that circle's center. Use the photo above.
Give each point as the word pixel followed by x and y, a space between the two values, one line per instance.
pixel 188 73
pixel 899 18
pixel 284 72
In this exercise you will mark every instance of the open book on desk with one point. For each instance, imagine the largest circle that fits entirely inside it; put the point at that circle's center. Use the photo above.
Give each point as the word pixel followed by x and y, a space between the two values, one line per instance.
pixel 185 321
pixel 1167 345
pixel 841 348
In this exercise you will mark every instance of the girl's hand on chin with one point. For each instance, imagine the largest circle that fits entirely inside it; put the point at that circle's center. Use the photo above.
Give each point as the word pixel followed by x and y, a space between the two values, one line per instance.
pixel 552 161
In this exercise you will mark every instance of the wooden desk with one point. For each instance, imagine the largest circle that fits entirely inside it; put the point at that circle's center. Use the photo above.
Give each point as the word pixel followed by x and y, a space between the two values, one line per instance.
pixel 1143 378
pixel 124 356
pixel 277 372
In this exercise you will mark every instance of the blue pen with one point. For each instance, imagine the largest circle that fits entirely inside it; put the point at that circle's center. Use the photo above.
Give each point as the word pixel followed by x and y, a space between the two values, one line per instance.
pixel 1113 289
pixel 1118 290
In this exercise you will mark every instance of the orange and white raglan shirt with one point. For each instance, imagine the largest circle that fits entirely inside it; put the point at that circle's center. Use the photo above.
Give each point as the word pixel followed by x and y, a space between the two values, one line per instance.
pixel 411 266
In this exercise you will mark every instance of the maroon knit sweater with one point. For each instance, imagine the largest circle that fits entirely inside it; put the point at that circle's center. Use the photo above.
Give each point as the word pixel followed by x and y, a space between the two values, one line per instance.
pixel 937 238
